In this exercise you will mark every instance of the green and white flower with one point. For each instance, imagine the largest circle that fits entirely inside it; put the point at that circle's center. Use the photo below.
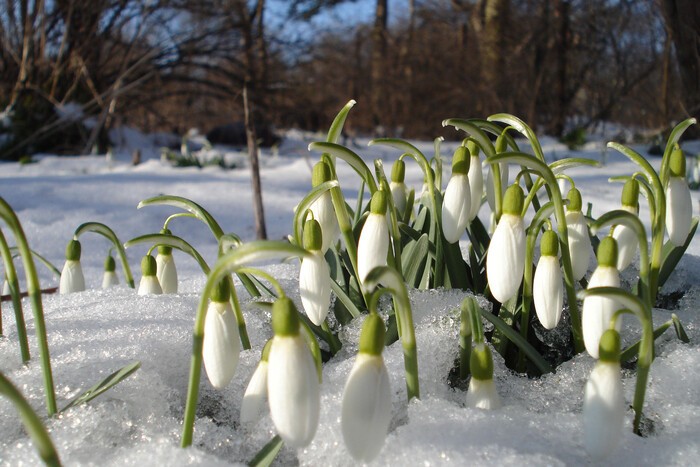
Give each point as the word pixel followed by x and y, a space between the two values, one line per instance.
pixel 256 393
pixel 373 246
pixel 149 281
pixel 476 180
pixel 222 345
pixel 679 207
pixel 110 279
pixel 579 240
pixel 625 236
pixel 72 279
pixel 482 393
pixel 322 208
pixel 548 288
pixel 166 270
pixel 399 191
pixel 456 204
pixel 314 276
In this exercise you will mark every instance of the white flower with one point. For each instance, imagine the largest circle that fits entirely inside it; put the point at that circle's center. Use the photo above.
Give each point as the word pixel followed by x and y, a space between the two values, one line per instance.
pixel 579 243
pixel 505 261
pixel 72 279
pixel 166 272
pixel 221 346
pixel 109 279
pixel 315 287
pixel 322 208
pixel 548 291
pixel 482 394
pixel 455 207
pixel 627 245
pixel 255 394
pixel 679 210
pixel 476 185
pixel 490 192
pixel 149 282
pixel 6 288
pixel 399 195
pixel 373 246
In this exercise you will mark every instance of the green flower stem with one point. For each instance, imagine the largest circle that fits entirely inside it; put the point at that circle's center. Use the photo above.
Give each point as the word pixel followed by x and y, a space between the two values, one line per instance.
pixel 186 205
pixel 438 161
pixel 301 213
pixel 53 269
pixel 13 282
pixel 522 128
pixel 465 341
pixel 642 311
pixel 673 139
pixel 562 231
pixel 172 241
pixel 393 283
pixel 32 423
pixel 172 217
pixel 252 284
pixel 34 292
pixel 108 233
pixel 630 220
pixel 259 272
pixel 333 342
pixel 224 267
pixel 336 127
pixel 395 258
pixel 351 158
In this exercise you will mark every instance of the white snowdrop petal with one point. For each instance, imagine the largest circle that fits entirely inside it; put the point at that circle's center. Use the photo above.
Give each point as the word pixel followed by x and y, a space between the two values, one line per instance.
pixel 166 273
pixel 598 311
pixel 109 279
pixel 476 186
pixel 221 347
pixel 679 210
pixel 324 213
pixel 455 207
pixel 315 287
pixel 626 246
pixel 482 394
pixel 72 279
pixel 255 395
pixel 603 410
pixel 149 285
pixel 548 291
pixel 366 408
pixel 293 391
pixel 579 243
pixel 399 196
pixel 373 245
pixel 6 288
pixel 505 261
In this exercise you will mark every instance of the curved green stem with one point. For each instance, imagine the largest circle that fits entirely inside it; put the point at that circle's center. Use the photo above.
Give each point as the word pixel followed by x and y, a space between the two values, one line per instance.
pixel 187 205
pixel 259 272
pixel 171 241
pixel 166 224
pixel 351 158
pixel 49 265
pixel 13 282
pixel 522 128
pixel 673 139
pixel 109 234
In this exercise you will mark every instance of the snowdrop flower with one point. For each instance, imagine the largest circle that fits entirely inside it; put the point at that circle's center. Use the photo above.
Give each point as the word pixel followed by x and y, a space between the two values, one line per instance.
pixel 482 393
pixel 221 346
pixel 476 180
pixel 598 311
pixel 366 407
pixel 490 189
pixel 6 287
pixel 165 265
pixel 579 241
pixel 398 187
pixel 256 392
pixel 373 246
pixel 292 380
pixel 149 282
pixel 110 279
pixel 679 208
pixel 456 204
pixel 314 276
pixel 548 288
pixel 604 401
pixel 72 279
pixel 626 238
pixel 505 261
pixel 322 208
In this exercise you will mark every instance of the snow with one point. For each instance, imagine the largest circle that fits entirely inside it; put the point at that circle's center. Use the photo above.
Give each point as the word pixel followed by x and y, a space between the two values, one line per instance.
pixel 93 333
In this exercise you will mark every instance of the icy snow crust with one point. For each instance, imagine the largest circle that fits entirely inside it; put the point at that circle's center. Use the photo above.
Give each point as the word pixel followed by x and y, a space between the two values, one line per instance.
pixel 93 333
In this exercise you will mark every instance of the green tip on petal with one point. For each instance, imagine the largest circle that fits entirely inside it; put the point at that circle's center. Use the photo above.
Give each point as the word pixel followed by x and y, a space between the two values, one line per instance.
pixel 607 252
pixel 575 202
pixel 221 292
pixel 321 174
pixel 148 266
pixel 630 193
pixel 549 245
pixel 513 200
pixel 460 161
pixel 313 237
pixel 110 264
pixel 372 335
pixel 164 249
pixel 266 351
pixel 473 148
pixel 378 205
pixel 676 164
pixel 398 171
pixel 285 318
pixel 609 347
pixel 73 251
pixel 481 363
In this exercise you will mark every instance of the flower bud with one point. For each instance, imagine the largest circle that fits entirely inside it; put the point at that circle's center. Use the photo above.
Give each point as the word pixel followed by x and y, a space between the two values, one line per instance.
pixel 482 392
pixel 149 282
pixel 548 288
pixel 578 238
pixel 72 279
pixel 373 246
pixel 221 346
pixel 109 279
pixel 456 204
pixel 679 207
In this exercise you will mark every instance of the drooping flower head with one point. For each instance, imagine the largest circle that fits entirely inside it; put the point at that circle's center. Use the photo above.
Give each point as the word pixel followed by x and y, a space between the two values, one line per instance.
pixel 505 261
pixel 149 282
pixel 598 311
pixel 482 393
pixel 373 246
pixel 256 393
pixel 366 408
pixel 679 207
pixel 548 288
pixel 457 201
pixel 314 275
pixel 110 279
pixel 476 180
pixel 221 346
pixel 626 238
pixel 292 381
pixel 579 240
pixel 398 186
pixel 72 279
pixel 604 401
pixel 165 265
pixel 322 208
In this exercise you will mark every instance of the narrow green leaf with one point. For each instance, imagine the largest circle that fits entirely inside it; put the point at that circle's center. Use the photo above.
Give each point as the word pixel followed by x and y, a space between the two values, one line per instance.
pixel 268 453
pixel 15 252
pixel 104 385
pixel 671 254
pixel 186 205
pixel 173 241
pixel 336 128
pixel 673 138
pixel 563 165
pixel 355 161
pixel 680 332
pixel 345 299
pixel 413 260
pixel 496 130
pixel 523 129
pixel 475 132
pixel 109 234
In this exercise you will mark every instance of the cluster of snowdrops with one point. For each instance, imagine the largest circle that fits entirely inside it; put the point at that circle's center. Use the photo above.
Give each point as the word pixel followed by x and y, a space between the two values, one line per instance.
pixel 401 238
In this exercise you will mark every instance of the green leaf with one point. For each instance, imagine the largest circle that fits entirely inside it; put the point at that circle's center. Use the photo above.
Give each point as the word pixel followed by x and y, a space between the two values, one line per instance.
pixel 104 385
pixel 268 453
pixel 475 132
pixel 673 138
pixel 406 147
pixel 680 332
pixel 413 260
pixel 15 252
pixel 523 129
pixel 570 162
pixel 109 234
pixel 186 205
pixel 457 269
pixel 336 128
pixel 172 241
pixel 671 254
pixel 345 299
pixel 495 130
pixel 355 161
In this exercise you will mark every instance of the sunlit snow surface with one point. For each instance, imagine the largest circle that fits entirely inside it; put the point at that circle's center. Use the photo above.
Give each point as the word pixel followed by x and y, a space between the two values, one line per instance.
pixel 93 333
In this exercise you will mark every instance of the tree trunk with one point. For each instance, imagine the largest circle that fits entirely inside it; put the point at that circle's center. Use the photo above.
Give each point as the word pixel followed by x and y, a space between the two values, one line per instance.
pixel 379 54
pixel 562 53
pixel 258 211
pixel 493 51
